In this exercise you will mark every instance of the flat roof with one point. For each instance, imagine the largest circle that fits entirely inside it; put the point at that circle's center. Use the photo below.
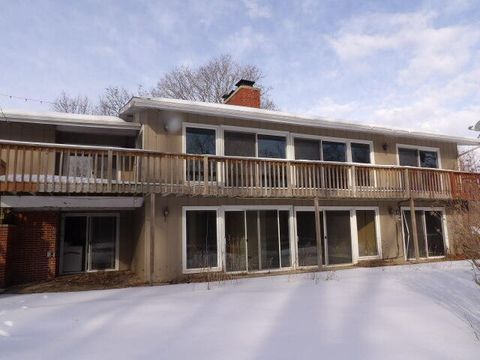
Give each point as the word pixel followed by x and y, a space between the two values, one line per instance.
pixel 66 119
pixel 248 113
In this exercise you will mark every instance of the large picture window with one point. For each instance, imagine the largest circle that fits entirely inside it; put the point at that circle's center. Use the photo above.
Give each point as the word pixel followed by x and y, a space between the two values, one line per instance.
pixel 418 158
pixel 200 141
pixel 360 153
pixel 272 146
pixel 334 151
pixel 329 150
pixel 239 144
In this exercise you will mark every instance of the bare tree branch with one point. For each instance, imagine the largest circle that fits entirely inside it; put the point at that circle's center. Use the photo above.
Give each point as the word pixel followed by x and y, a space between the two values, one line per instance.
pixel 112 100
pixel 77 105
pixel 209 82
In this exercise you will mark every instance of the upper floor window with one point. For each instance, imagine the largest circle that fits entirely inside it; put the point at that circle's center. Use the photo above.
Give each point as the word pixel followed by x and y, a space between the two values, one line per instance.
pixel 334 151
pixel 418 158
pixel 272 146
pixel 200 141
pixel 237 143
pixel 337 151
pixel 307 149
pixel 360 153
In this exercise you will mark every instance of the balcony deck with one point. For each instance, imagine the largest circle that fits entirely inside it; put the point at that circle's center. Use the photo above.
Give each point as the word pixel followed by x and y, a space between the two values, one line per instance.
pixel 41 168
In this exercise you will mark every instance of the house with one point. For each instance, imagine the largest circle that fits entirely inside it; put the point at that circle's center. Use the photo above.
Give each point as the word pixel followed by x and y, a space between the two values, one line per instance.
pixel 173 187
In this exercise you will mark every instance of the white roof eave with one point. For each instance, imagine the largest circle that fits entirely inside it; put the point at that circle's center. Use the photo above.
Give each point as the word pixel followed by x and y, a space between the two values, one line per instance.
pixel 247 113
pixel 65 119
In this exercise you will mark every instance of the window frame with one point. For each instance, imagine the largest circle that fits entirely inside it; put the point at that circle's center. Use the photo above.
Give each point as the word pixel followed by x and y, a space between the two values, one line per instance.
pixel 353 231
pixel 184 238
pixel 86 255
pixel 444 230
pixel 291 234
pixel 257 132
pixel 347 141
pixel 200 126
pixel 419 148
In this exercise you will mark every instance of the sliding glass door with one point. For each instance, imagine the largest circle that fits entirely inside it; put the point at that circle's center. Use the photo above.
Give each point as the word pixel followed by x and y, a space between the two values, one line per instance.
pixel 431 238
pixel 339 237
pixel 257 240
pixel 101 242
pixel 335 233
pixel 235 241
pixel 89 242
pixel 307 238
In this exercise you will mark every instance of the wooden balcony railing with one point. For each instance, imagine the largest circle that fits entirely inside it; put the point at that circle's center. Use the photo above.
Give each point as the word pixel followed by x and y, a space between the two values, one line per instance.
pixel 72 169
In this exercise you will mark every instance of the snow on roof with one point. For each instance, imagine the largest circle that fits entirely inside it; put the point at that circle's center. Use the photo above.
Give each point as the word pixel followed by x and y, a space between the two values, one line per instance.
pixel 242 112
pixel 66 119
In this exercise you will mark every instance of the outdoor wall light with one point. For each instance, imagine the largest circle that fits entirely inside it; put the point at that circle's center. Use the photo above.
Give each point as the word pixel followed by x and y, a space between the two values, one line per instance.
pixel 384 146
pixel 165 212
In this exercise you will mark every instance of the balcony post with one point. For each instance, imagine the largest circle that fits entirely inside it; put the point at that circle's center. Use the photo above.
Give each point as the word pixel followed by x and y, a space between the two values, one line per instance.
pixel 289 178
pixel 205 175
pixel 353 180
pixel 109 170
pixel 406 176
pixel 318 233
pixel 414 232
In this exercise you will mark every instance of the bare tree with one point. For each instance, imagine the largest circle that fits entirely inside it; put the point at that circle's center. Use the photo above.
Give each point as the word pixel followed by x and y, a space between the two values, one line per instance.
pixel 209 82
pixel 470 161
pixel 112 100
pixel 77 105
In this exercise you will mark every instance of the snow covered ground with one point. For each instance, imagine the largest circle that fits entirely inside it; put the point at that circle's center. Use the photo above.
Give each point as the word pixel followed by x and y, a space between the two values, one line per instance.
pixel 429 311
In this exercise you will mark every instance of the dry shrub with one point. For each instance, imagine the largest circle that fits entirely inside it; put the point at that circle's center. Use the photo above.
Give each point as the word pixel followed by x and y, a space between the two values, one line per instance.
pixel 466 231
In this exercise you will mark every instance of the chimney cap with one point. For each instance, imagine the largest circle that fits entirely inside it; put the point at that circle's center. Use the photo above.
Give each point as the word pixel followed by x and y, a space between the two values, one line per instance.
pixel 245 82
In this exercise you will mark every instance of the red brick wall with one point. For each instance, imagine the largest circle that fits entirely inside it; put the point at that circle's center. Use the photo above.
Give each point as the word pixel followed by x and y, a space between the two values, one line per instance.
pixel 245 96
pixel 35 237
pixel 6 233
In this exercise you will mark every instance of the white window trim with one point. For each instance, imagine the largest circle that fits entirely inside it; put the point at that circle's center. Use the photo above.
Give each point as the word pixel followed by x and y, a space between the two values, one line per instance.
pixel 87 264
pixel 291 221
pixel 444 229
pixel 221 256
pixel 353 231
pixel 419 148
pixel 347 141
pixel 218 139
pixel 219 224
pixel 257 132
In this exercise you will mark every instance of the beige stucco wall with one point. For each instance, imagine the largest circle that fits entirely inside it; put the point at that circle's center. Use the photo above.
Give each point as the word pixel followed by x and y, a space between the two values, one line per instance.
pixel 157 138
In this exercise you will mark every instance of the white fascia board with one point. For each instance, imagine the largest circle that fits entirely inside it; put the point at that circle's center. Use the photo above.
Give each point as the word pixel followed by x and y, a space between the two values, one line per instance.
pixel 247 113
pixel 65 119
pixel 70 202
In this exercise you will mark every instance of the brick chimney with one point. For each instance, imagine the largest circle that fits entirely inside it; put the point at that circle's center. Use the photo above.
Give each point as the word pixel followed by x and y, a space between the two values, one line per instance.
pixel 244 95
